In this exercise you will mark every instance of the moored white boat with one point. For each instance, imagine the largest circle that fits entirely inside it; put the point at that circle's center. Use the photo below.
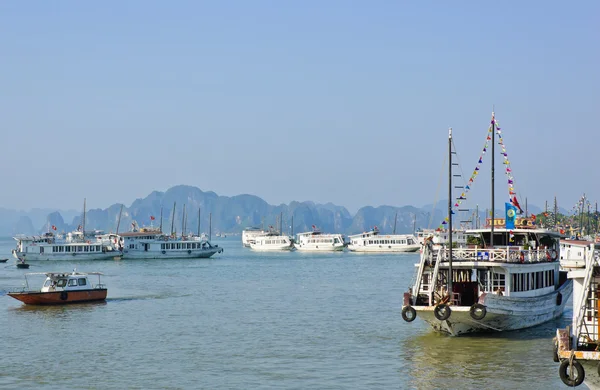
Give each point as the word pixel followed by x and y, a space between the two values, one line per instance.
pixel 510 279
pixel 57 247
pixel 316 241
pixel 151 243
pixel 272 241
pixel 372 241
pixel 249 235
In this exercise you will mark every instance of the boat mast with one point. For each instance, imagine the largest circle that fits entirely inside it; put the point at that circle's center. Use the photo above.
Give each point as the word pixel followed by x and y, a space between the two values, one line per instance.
pixel 450 212
pixel 83 223
pixel 119 220
pixel 198 221
pixel 395 221
pixel 493 161
pixel 209 226
pixel 183 222
pixel 292 227
pixel 161 210
pixel 173 217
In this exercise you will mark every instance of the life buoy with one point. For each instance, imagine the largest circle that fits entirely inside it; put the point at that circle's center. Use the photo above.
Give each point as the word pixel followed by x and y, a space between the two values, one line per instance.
pixel 189 252
pixel 478 311
pixel 64 295
pixel 551 255
pixel 409 313
pixel 88 241
pixel 568 378
pixel 442 312
pixel 164 252
pixel 558 299
pixel 522 257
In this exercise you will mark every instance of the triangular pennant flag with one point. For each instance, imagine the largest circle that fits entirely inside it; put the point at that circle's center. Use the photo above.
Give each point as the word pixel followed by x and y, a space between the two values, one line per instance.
pixel 480 160
pixel 467 187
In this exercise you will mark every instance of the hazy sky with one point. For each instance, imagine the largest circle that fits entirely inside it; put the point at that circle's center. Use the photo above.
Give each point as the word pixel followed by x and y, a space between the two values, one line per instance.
pixel 341 101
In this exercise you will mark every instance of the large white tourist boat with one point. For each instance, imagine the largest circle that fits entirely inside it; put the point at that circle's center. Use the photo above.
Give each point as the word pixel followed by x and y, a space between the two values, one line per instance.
pixel 372 241
pixel 249 235
pixel 272 241
pixel 152 243
pixel 510 280
pixel 317 241
pixel 72 246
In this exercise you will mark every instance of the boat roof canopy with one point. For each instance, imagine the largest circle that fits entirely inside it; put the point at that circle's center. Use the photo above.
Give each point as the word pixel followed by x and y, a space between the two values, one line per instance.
pixel 514 231
pixel 64 274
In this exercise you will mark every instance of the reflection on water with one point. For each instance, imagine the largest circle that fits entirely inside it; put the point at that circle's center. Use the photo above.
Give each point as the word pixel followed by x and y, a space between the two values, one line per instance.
pixel 514 359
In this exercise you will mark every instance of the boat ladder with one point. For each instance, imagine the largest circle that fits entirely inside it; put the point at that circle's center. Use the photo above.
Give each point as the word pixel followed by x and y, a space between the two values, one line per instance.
pixel 582 305
pixel 417 282
pixel 434 276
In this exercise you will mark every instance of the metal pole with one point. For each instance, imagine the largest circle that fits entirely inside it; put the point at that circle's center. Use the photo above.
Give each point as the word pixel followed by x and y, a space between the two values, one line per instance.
pixel 450 213
pixel 493 161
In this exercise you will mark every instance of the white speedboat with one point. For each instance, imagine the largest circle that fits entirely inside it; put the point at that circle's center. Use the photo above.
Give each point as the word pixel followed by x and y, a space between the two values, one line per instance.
pixel 151 243
pixel 316 241
pixel 372 241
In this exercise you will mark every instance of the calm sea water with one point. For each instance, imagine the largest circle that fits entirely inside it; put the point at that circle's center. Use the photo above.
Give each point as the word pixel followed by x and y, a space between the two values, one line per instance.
pixel 254 320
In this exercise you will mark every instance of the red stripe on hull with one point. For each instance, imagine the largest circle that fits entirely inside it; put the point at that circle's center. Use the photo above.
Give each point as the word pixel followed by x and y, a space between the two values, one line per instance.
pixel 58 298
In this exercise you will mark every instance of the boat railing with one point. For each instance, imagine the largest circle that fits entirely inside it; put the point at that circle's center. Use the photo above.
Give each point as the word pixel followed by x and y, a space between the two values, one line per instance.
pixel 99 286
pixel 507 254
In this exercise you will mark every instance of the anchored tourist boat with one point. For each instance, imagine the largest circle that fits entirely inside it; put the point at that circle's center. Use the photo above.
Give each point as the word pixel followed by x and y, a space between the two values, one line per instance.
pixel 272 241
pixel 61 288
pixel 249 235
pixel 372 241
pixel 152 243
pixel 509 280
pixel 577 347
pixel 317 241
pixel 57 247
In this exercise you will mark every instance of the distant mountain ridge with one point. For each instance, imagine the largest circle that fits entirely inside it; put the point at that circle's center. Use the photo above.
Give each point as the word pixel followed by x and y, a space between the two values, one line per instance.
pixel 229 215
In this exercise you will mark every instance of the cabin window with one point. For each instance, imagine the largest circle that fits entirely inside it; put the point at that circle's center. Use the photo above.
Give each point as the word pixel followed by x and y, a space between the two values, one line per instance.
pixel 72 282
pixel 498 281
pixel 162 246
pixel 79 249
pixel 81 282
pixel 61 283
pixel 86 249
pixel 178 246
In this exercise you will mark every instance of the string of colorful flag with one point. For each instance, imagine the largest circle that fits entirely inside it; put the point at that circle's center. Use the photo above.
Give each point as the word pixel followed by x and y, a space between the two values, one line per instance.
pixel 463 195
pixel 583 201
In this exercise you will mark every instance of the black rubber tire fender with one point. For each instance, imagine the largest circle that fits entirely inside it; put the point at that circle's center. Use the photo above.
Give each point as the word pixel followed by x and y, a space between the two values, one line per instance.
pixel 64 295
pixel 442 312
pixel 567 379
pixel 478 308
pixel 409 313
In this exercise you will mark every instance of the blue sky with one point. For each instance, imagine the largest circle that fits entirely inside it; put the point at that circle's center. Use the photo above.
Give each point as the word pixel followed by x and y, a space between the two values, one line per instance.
pixel 341 101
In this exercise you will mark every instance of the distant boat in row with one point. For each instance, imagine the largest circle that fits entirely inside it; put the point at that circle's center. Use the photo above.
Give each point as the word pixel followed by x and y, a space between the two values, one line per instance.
pixel 272 241
pixel 373 241
pixel 72 246
pixel 316 241
pixel 249 235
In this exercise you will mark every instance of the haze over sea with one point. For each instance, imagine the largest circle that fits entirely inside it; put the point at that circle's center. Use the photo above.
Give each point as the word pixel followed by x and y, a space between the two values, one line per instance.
pixel 254 320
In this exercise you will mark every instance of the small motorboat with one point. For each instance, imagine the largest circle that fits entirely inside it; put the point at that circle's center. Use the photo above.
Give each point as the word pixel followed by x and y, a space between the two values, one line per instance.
pixel 22 265
pixel 61 288
pixel 3 260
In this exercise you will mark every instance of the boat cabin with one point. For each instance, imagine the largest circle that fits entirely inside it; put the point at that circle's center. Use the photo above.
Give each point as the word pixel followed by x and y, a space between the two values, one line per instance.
pixel 62 281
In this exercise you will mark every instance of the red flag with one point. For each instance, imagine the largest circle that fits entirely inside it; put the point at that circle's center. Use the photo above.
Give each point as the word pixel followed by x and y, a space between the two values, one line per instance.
pixel 533 216
pixel 152 217
pixel 53 227
pixel 516 203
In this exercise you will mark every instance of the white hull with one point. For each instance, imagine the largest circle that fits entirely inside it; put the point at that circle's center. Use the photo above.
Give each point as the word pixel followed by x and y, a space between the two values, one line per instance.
pixel 503 313
pixel 268 248
pixel 384 248
pixel 76 256
pixel 319 248
pixel 194 254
